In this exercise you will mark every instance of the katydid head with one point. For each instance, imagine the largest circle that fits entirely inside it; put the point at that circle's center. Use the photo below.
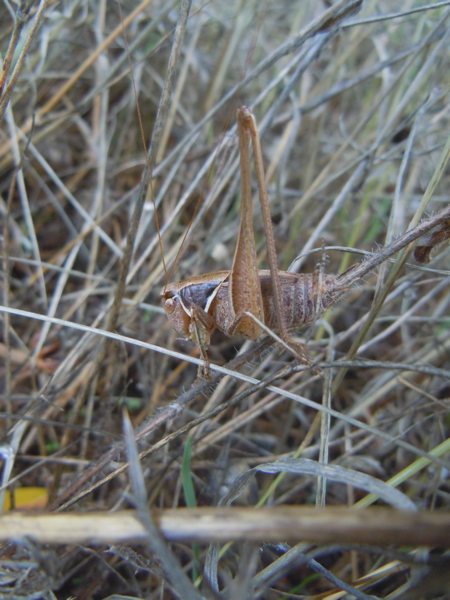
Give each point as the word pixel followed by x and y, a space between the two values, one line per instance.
pixel 178 314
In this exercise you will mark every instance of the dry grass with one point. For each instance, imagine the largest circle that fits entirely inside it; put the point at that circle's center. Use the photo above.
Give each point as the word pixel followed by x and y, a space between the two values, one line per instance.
pixel 354 122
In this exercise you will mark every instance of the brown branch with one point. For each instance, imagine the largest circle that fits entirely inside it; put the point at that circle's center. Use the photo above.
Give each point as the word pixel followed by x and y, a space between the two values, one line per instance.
pixel 358 271
pixel 337 525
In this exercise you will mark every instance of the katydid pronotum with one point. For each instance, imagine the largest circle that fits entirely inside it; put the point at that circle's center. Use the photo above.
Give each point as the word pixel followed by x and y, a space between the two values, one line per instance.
pixel 245 300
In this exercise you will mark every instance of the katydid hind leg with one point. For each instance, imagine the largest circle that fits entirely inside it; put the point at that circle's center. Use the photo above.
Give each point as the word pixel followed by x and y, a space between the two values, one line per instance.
pixel 245 287
pixel 298 349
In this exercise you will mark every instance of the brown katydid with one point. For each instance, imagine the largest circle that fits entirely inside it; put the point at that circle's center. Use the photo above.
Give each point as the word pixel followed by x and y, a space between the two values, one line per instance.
pixel 238 301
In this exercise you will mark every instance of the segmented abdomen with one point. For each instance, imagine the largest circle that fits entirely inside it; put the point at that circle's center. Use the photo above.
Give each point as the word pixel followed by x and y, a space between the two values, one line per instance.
pixel 304 297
